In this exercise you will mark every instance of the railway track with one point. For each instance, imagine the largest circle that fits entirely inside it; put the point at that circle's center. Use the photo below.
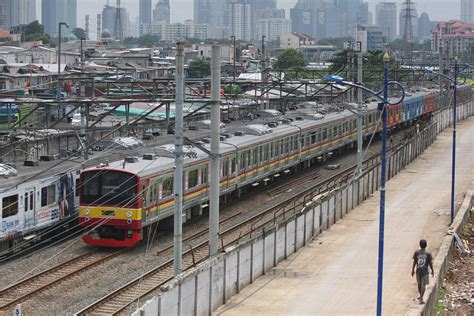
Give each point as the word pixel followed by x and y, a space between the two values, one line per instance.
pixel 30 286
pixel 293 182
pixel 121 299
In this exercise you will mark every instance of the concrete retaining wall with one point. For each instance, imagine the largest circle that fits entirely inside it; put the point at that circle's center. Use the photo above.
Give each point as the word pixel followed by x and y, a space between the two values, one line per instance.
pixel 201 290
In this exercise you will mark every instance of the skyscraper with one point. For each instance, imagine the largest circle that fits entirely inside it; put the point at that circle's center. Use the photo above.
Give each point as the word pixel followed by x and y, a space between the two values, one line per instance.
pixel 110 24
pixel 241 20
pixel 144 17
pixel 55 11
pixel 386 19
pixel 467 11
pixel 16 12
pixel 424 27
pixel 162 11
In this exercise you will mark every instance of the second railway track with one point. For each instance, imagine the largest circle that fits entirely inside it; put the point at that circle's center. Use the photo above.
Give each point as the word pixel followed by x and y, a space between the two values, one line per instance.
pixel 27 288
pixel 119 300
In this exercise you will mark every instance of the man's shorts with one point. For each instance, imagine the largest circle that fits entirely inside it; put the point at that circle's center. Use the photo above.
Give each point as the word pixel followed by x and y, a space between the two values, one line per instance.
pixel 423 279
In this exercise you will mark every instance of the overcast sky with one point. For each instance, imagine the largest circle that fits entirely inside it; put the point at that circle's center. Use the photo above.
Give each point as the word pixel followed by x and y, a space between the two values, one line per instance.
pixel 183 9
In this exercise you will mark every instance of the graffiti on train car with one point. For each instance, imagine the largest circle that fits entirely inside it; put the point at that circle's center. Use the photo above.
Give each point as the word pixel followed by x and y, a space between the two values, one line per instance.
pixel 9 225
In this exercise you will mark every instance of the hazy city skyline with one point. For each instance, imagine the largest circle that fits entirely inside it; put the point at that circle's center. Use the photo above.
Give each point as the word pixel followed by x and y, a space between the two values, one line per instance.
pixel 183 9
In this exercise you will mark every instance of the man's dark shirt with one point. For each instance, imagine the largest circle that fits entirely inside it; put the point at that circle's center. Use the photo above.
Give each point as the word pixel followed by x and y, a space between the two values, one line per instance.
pixel 423 260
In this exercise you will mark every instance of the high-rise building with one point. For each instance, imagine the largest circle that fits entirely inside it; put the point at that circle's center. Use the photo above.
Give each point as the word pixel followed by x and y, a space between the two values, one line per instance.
pixel 424 27
pixel 16 12
pixel 241 20
pixel 329 18
pixel 386 19
pixel 273 28
pixel 370 37
pixel 55 11
pixel 144 22
pixel 111 26
pixel 212 13
pixel 162 11
pixel 467 11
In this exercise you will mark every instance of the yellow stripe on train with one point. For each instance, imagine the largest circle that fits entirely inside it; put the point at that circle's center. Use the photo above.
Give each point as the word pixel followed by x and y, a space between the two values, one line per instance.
pixel 110 212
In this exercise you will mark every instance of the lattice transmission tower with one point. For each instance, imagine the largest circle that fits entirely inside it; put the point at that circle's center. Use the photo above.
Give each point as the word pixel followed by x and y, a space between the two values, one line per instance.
pixel 118 22
pixel 408 14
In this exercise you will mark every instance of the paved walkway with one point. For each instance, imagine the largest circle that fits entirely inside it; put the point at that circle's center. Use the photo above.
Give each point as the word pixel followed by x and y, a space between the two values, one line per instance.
pixel 336 274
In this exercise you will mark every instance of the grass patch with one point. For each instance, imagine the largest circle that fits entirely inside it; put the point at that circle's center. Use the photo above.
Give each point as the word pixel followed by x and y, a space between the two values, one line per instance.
pixel 441 302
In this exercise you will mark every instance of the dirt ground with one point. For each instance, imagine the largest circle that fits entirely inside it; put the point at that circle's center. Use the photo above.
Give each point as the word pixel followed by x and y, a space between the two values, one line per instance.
pixel 457 293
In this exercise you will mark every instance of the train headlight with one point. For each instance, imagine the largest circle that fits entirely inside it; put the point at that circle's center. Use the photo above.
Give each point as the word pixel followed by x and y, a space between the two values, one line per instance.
pixel 87 212
pixel 129 213
pixel 129 221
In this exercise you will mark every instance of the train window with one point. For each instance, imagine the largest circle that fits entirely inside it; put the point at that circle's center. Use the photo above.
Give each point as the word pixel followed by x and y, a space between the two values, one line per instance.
pixel 272 150
pixel 232 166
pixel 78 188
pixel 167 187
pixel 242 161
pixel 32 200
pixel 205 174
pixel 261 153
pixel 295 143
pixel 225 168
pixel 26 202
pixel 193 179
pixel 9 206
pixel 303 141
pixel 325 134
pixel 48 195
pixel 251 157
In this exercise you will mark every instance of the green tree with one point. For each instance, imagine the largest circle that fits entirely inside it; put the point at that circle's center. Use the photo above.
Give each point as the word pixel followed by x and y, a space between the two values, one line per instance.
pixel 79 33
pixel 199 68
pixel 130 41
pixel 148 40
pixel 35 32
pixel 290 58
pixel 335 41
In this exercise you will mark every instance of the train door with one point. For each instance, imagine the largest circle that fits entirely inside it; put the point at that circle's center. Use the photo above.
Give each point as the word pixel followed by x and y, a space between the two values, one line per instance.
pixel 29 208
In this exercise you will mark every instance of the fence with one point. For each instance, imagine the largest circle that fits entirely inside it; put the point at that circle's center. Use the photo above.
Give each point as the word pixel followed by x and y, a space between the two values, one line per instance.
pixel 203 289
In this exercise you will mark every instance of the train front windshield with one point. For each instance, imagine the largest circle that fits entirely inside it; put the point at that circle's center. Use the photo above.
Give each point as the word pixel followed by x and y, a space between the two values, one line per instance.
pixel 112 188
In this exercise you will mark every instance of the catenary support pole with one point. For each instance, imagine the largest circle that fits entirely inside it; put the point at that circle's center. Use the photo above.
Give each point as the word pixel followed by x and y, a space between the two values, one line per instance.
pixel 386 59
pixel 215 140
pixel 178 173
pixel 359 113
pixel 453 171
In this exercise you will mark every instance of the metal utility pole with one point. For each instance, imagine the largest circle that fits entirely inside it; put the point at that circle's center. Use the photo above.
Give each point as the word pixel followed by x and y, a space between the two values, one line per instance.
pixel 215 150
pixel 386 59
pixel 453 171
pixel 359 113
pixel 263 78
pixel 235 55
pixel 59 54
pixel 178 173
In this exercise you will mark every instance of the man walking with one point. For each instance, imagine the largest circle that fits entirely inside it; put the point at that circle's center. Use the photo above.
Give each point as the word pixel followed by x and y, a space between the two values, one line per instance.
pixel 421 260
